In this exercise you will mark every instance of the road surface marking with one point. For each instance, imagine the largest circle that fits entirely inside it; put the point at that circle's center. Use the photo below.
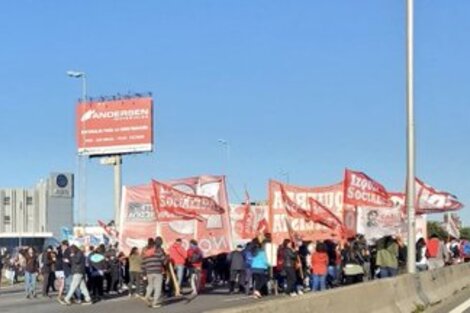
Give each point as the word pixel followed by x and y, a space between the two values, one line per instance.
pixel 461 308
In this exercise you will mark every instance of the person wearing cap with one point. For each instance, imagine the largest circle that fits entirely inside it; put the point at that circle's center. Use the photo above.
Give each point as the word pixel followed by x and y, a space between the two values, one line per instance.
pixel 77 262
pixel 237 269
pixel 178 257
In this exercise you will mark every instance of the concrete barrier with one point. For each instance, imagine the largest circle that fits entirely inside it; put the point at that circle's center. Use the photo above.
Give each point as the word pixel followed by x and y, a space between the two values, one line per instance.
pixel 403 294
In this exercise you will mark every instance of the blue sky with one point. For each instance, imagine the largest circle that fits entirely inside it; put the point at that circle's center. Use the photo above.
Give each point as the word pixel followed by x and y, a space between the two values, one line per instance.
pixel 307 87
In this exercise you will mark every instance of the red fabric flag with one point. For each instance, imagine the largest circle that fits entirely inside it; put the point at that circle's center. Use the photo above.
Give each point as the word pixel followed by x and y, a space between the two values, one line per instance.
pixel 292 208
pixel 431 200
pixel 111 232
pixel 172 204
pixel 361 190
pixel 323 215
pixel 248 218
pixel 294 236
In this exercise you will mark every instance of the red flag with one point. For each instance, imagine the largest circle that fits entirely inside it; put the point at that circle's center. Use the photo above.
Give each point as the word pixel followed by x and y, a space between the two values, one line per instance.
pixel 111 232
pixel 361 190
pixel 294 236
pixel 172 204
pixel 292 208
pixel 431 200
pixel 323 215
pixel 248 218
pixel 262 227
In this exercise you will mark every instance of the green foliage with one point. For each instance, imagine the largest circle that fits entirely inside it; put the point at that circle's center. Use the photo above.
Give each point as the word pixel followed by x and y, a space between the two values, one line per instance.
pixel 465 233
pixel 435 228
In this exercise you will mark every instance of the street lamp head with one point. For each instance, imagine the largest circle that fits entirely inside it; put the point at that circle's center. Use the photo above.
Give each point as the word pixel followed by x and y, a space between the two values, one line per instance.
pixel 75 74
pixel 222 141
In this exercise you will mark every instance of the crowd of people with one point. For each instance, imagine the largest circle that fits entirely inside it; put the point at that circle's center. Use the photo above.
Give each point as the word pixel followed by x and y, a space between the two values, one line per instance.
pixel 83 275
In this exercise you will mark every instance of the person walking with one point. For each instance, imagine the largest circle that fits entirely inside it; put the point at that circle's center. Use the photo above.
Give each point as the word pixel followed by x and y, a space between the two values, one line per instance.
pixel 290 258
pixel 59 271
pixel 31 270
pixel 97 267
pixel 153 266
pixel 320 263
pixel 259 268
pixel 237 269
pixel 178 257
pixel 135 272
pixel 77 262
pixel 194 258
pixel 48 271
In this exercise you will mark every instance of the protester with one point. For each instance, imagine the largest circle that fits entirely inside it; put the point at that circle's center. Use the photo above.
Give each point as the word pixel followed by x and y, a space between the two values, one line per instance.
pixel 31 271
pixel 78 271
pixel 351 262
pixel 259 268
pixel 421 255
pixel 59 271
pixel 319 267
pixel 237 269
pixel 387 257
pixel 153 266
pixel 135 272
pixel 248 260
pixel 178 257
pixel 194 261
pixel 290 258
pixel 48 271
pixel 437 253
pixel 97 262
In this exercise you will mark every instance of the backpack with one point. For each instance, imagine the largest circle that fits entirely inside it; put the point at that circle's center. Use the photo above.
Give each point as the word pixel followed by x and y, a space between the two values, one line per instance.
pixel 466 248
pixel 433 248
pixel 196 257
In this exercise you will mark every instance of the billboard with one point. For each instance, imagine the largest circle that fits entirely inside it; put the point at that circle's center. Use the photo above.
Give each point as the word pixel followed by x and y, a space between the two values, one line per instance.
pixel 115 126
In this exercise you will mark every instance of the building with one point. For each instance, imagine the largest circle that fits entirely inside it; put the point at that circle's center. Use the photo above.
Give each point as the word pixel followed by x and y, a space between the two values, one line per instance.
pixel 29 215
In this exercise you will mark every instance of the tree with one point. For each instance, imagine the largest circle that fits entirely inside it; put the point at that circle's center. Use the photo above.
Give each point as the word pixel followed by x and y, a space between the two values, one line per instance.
pixel 435 228
pixel 465 233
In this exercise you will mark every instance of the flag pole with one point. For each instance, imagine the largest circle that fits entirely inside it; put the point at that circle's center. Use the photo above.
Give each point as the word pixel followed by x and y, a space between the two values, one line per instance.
pixel 410 182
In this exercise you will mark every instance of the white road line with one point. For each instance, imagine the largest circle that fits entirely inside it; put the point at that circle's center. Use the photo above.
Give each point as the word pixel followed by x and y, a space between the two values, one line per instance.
pixel 461 308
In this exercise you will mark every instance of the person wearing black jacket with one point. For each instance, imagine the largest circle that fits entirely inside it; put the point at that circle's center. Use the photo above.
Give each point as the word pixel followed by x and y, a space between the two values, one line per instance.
pixel 48 269
pixel 237 269
pixel 290 257
pixel 77 263
pixel 97 270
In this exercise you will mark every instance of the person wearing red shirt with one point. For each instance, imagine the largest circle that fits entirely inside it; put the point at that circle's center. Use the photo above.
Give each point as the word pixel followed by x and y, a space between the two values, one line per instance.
pixel 178 257
pixel 319 267
pixel 194 258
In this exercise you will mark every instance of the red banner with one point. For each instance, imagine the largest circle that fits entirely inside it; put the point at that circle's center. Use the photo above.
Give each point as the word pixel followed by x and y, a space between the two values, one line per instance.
pixel 331 197
pixel 172 204
pixel 361 190
pixel 213 234
pixel 138 220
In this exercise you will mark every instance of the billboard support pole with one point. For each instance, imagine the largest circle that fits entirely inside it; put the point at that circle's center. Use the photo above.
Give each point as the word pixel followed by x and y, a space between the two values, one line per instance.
pixel 117 188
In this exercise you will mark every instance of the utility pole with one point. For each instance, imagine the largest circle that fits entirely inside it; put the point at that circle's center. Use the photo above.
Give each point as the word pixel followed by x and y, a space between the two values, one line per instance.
pixel 410 157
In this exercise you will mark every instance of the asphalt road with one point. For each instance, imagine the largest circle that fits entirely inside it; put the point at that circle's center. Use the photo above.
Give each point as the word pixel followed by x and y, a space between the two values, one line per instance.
pixel 460 303
pixel 12 300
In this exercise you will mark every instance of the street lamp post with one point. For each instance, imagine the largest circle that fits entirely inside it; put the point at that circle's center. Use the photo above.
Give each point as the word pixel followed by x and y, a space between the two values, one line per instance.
pixel 410 173
pixel 286 176
pixel 81 212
